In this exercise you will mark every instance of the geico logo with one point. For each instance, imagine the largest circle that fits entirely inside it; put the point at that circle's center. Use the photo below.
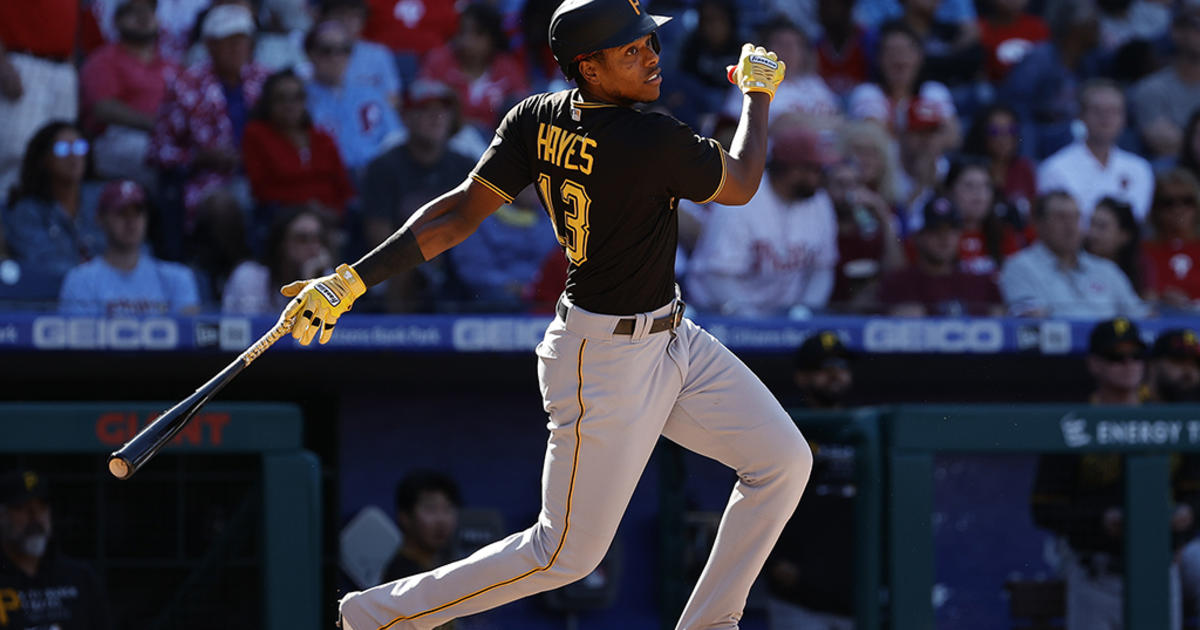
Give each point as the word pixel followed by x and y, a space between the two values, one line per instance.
pixel 88 333
pixel 881 335
pixel 491 334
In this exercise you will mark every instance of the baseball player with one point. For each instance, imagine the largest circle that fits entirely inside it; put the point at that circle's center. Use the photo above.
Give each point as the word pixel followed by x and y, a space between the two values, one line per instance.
pixel 619 366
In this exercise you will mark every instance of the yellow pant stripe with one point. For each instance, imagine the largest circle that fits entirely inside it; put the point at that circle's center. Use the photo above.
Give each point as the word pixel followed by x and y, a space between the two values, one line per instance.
pixel 566 519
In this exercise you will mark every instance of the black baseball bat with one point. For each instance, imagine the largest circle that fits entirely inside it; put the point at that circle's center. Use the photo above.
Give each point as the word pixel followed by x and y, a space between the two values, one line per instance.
pixel 128 459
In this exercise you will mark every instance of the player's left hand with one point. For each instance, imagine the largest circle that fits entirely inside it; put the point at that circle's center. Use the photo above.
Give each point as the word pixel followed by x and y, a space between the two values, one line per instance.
pixel 320 302
pixel 757 71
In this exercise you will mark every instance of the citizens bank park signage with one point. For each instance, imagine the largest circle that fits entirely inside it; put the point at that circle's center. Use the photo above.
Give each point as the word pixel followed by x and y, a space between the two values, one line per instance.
pixel 521 333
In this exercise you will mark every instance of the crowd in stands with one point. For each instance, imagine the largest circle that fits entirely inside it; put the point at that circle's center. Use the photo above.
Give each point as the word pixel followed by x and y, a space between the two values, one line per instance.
pixel 928 157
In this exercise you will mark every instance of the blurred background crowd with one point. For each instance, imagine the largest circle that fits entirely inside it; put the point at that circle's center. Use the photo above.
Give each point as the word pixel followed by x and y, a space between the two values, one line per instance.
pixel 927 158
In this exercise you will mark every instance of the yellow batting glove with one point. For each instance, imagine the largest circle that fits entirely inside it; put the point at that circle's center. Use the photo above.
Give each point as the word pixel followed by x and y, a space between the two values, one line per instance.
pixel 319 303
pixel 757 71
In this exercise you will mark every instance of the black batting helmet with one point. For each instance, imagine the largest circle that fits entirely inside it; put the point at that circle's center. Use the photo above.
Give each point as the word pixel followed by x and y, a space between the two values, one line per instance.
pixel 581 27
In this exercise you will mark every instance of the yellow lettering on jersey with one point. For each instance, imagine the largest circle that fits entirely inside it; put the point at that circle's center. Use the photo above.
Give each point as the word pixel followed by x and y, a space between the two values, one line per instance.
pixel 586 167
pixel 556 135
pixel 565 149
pixel 543 140
pixel 9 600
pixel 564 140
pixel 566 160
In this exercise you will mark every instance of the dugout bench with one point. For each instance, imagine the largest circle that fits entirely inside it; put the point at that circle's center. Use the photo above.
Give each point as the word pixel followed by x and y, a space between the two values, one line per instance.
pixel 234 500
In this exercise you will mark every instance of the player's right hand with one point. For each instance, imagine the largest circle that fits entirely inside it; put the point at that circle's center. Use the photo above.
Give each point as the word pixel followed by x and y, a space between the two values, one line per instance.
pixel 757 71
pixel 320 302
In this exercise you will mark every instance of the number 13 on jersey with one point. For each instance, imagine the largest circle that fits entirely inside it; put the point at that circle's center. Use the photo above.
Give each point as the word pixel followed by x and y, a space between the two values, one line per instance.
pixel 573 231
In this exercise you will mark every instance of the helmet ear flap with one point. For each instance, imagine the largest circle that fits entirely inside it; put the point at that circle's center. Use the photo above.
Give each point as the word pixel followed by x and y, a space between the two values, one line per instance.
pixel 655 45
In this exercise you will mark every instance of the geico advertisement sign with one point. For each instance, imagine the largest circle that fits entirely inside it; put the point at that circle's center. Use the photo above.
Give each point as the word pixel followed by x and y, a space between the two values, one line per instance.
pixel 951 335
pixel 93 333
pixel 497 334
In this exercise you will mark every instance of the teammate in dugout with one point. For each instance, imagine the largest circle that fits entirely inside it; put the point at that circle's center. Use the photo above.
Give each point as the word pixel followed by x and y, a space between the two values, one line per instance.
pixel 619 366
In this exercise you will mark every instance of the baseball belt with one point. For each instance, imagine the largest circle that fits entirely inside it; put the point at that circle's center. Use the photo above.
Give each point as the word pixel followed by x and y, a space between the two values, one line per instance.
pixel 626 325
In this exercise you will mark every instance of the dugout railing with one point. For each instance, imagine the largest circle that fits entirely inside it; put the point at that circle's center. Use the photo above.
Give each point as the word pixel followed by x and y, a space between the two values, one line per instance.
pixel 895 453
pixel 1144 435
pixel 233 505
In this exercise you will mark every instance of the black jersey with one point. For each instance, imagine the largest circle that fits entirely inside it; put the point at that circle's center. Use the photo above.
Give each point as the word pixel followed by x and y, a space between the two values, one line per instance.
pixel 64 594
pixel 610 178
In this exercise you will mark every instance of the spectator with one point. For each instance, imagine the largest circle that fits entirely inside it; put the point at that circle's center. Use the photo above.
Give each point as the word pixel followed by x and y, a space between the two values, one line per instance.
pixel 401 180
pixel 1189 151
pixel 870 148
pixel 477 65
pixel 1095 166
pixel 51 219
pixel 1080 498
pixel 810 575
pixel 779 251
pixel 55 591
pixel 540 65
pixel 199 128
pixel 1173 251
pixel 1132 22
pixel 410 30
pixel 176 19
pixel 123 85
pixel 38 81
pixel 427 505
pixel 1173 372
pixel 289 162
pixel 370 63
pixel 901 59
pixel 1163 101
pixel 994 136
pixel 1054 278
pixel 495 264
pixel 218 244
pixel 803 94
pixel 922 152
pixel 953 54
pixel 872 13
pixel 842 58
pixel 1114 234
pixel 359 116
pixel 867 243
pixel 197 52
pixel 126 280
pixel 1008 33
pixel 280 41
pixel 1044 86
pixel 934 285
pixel 709 49
pixel 297 247
pixel 986 239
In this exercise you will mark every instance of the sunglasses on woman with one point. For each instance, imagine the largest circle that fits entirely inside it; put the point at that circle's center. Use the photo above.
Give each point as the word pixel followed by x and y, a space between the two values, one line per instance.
pixel 63 148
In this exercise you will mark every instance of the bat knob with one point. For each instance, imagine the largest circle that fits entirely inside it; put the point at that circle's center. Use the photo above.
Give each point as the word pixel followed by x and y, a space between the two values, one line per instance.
pixel 119 467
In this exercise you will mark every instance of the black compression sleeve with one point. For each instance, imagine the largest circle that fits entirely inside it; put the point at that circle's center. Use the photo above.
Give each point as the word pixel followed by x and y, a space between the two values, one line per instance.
pixel 399 253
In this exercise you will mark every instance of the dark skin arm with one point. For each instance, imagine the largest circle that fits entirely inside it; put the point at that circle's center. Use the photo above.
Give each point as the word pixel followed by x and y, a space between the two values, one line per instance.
pixel 437 226
pixel 748 152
